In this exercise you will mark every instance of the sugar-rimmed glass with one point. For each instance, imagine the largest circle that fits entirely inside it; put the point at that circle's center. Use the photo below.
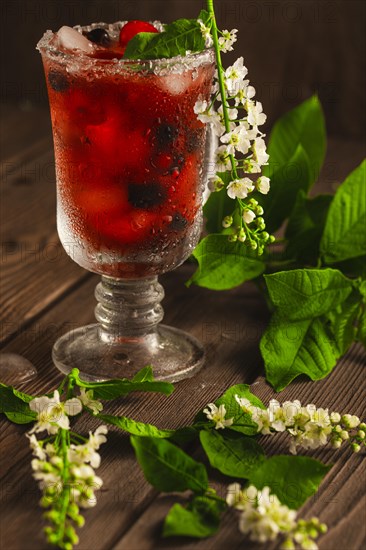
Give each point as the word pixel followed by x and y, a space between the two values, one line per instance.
pixel 131 165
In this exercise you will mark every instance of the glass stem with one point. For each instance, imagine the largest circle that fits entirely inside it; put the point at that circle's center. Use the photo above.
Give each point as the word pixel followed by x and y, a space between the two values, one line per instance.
pixel 128 308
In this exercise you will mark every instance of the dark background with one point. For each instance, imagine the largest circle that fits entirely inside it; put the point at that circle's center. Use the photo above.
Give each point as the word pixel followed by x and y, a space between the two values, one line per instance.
pixel 292 48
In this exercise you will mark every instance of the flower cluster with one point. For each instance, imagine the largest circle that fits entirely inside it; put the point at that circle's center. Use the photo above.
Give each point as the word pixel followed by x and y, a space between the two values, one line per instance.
pixel 64 464
pixel 309 427
pixel 242 149
pixel 264 518
pixel 217 415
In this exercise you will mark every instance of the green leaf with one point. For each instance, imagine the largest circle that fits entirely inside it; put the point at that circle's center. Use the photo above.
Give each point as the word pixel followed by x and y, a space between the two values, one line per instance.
pixel 290 348
pixel 223 265
pixel 232 457
pixel 144 375
pixel 292 478
pixel 344 235
pixel 200 519
pixel 286 182
pixel 243 422
pixel 305 227
pixel 176 39
pixel 111 389
pixel 135 428
pixel 343 321
pixel 307 293
pixel 14 404
pixel 167 467
pixel 305 126
pixel 218 205
pixel 361 334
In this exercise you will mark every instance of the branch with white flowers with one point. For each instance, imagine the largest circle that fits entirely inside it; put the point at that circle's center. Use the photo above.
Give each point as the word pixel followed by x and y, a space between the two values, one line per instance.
pixel 309 427
pixel 243 150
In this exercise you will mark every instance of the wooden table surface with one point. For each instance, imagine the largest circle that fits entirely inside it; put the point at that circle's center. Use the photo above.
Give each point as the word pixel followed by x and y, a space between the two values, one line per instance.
pixel 44 294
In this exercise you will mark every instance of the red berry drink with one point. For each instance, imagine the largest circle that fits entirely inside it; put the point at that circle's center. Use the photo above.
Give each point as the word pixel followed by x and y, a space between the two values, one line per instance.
pixel 130 152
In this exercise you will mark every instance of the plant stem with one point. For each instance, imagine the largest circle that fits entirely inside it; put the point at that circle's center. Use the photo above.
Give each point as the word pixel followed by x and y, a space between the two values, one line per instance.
pixel 220 69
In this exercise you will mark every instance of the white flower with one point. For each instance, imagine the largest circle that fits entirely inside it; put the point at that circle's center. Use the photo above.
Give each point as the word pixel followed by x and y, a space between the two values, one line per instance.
pixel 245 404
pixel 234 76
pixel 222 159
pixel 206 33
pixel 248 216
pixel 262 515
pixel 256 117
pixel 237 140
pixel 208 115
pixel 350 421
pixel 217 415
pixel 259 151
pixel 98 438
pixel 240 188
pixel 244 93
pixel 263 185
pixel 227 40
pixel 37 449
pixel 53 414
pixel 80 454
pixel 86 397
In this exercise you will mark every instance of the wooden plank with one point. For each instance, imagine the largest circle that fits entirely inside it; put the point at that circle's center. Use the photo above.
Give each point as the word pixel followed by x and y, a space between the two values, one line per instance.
pixel 125 495
pixel 340 501
pixel 35 269
pixel 21 125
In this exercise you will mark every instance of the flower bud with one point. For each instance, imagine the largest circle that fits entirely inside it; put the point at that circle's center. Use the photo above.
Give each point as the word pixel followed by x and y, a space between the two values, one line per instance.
pixel 242 236
pixel 355 447
pixel 361 434
pixel 335 418
pixel 248 216
pixel 227 221
pixel 233 238
pixel 363 426
pixel 215 184
pixel 253 245
pixel 344 435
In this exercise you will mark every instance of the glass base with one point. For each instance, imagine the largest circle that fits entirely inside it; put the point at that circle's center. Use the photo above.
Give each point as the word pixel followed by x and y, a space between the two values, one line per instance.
pixel 173 354
pixel 15 369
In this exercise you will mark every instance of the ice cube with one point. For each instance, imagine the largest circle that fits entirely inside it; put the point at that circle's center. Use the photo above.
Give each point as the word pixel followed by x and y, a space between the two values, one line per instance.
pixel 176 84
pixel 71 39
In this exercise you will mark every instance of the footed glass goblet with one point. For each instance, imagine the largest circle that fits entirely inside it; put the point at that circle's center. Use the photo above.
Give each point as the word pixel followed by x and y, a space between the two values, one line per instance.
pixel 131 165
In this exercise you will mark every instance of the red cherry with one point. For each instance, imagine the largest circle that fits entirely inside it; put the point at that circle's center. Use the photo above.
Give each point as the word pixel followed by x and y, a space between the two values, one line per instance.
pixel 132 28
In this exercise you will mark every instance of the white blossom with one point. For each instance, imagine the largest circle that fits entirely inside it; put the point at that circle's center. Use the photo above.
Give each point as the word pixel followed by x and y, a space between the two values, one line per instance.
pixel 215 184
pixel 36 447
pixel 222 159
pixel 235 75
pixel 240 188
pixel 52 414
pixel 256 117
pixel 227 40
pixel 86 397
pixel 259 151
pixel 248 216
pixel 208 115
pixel 237 140
pixel 217 415
pixel 263 185
pixel 244 93
pixel 206 33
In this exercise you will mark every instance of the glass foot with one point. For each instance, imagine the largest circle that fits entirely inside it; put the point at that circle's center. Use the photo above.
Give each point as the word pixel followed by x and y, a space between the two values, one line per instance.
pixel 172 354
pixel 15 369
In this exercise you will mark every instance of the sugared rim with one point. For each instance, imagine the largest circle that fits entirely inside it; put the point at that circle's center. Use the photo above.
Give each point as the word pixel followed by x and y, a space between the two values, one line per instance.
pixel 84 61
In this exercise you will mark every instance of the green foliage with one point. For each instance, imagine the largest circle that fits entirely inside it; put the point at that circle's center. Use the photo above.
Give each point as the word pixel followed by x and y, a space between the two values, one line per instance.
pixel 318 311
pixel 200 519
pixel 223 265
pixel 344 235
pixel 307 293
pixel 167 467
pixel 232 457
pixel 176 39
pixel 292 478
pixel 243 422
pixel 111 389
pixel 305 227
pixel 135 428
pixel 14 404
